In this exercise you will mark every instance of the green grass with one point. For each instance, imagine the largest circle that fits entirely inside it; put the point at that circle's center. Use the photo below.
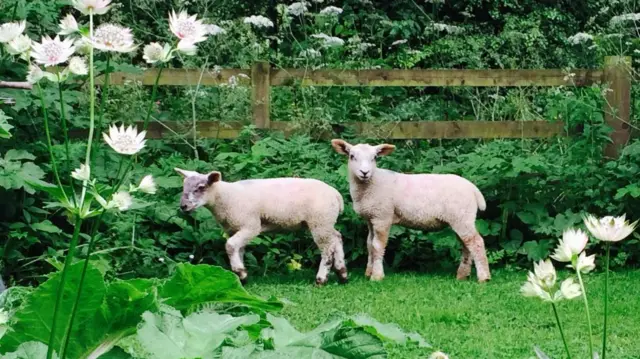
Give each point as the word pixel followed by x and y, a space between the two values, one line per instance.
pixel 467 319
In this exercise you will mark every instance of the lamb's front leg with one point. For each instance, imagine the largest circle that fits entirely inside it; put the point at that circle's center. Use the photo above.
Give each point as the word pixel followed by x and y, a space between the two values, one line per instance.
pixel 379 244
pixel 235 250
pixel 367 273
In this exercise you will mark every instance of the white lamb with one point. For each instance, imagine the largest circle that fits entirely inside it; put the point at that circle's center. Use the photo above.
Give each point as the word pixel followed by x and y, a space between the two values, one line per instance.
pixel 421 201
pixel 247 208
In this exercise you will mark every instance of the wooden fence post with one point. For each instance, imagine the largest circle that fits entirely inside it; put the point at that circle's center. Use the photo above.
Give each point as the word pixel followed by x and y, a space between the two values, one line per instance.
pixel 260 84
pixel 617 107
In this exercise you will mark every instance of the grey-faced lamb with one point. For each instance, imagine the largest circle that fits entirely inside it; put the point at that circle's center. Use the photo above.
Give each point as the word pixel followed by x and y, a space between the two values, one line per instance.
pixel 421 201
pixel 247 208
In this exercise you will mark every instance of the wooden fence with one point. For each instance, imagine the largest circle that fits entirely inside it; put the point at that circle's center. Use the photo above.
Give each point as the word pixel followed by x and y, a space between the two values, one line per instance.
pixel 616 73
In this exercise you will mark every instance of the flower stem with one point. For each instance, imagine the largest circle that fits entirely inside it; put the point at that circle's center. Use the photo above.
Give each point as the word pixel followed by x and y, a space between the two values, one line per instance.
pixel 54 165
pixel 586 306
pixel 74 310
pixel 65 132
pixel 564 340
pixel 105 96
pixel 92 103
pixel 63 278
pixel 606 300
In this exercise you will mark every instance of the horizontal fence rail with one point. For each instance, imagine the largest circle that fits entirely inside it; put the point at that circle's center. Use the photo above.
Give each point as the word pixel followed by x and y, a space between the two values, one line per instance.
pixel 261 77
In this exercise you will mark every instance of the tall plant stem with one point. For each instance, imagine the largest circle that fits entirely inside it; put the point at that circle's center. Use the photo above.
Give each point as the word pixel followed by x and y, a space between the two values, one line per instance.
pixel 63 278
pixel 54 165
pixel 586 306
pixel 92 110
pixel 74 310
pixel 105 96
pixel 606 300
pixel 65 132
pixel 564 340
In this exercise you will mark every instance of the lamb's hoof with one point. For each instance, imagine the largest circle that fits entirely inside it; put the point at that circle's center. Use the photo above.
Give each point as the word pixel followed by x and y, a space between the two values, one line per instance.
pixel 321 281
pixel 367 273
pixel 377 277
pixel 342 276
pixel 462 277
pixel 484 280
pixel 243 281
pixel 343 280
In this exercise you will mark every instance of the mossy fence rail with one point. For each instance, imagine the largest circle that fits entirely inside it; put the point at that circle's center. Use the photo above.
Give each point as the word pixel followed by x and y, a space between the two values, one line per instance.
pixel 616 73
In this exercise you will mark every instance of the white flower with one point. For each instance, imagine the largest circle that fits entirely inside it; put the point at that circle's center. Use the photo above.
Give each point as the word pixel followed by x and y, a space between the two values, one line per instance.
pixel 545 274
pixel 83 46
pixel 147 185
pixel 82 174
pixel 20 45
pixel 11 30
pixel 78 66
pixel 122 200
pixel 329 41
pixel 569 289
pixel 451 29
pixel 189 30
pixel 609 229
pixel 68 25
pixel 399 42
pixel 161 260
pixel 624 17
pixel 188 48
pixel 579 38
pixel 331 11
pixel 111 37
pixel 35 74
pixel 214 30
pixel 297 8
pixel 310 53
pixel 126 142
pixel 531 289
pixel 154 52
pixel 97 7
pixel 52 52
pixel 572 243
pixel 258 21
pixel 438 355
pixel 584 263
pixel 191 256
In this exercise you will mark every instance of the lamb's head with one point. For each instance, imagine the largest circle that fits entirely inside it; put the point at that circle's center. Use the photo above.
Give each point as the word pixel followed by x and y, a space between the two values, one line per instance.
pixel 195 188
pixel 362 157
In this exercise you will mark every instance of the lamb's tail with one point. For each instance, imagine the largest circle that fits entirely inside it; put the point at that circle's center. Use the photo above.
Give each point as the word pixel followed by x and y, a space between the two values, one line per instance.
pixel 482 204
pixel 340 201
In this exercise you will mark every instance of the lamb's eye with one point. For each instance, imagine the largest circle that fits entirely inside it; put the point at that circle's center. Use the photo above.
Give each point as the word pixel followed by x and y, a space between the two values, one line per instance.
pixel 200 188
pixel 352 157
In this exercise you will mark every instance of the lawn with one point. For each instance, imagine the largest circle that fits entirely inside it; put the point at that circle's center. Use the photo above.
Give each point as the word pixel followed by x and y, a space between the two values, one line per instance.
pixel 467 319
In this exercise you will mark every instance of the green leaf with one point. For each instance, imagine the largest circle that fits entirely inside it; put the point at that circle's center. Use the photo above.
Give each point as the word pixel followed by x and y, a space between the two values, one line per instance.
pixel 390 332
pixel 29 350
pixel 5 127
pixel 46 226
pixel 33 320
pixel 192 285
pixel 15 155
pixel 169 336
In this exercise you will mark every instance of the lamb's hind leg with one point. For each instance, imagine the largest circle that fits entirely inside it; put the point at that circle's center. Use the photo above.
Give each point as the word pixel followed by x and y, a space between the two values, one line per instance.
pixel 474 245
pixel 367 273
pixel 324 240
pixel 479 254
pixel 338 258
pixel 464 270
pixel 235 249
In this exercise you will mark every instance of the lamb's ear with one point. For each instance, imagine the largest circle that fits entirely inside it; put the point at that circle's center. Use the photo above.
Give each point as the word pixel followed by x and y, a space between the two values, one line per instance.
pixel 385 149
pixel 213 177
pixel 342 147
pixel 185 173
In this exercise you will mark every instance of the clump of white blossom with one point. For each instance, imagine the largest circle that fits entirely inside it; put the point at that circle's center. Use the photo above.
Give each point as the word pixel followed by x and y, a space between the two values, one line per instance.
pixel 297 8
pixel 258 21
pixel 616 20
pixel 579 38
pixel 331 11
pixel 451 29
pixel 329 41
pixel 310 53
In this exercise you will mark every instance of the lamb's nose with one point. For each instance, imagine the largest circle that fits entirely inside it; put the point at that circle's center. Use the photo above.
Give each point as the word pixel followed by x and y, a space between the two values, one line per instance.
pixel 183 207
pixel 364 173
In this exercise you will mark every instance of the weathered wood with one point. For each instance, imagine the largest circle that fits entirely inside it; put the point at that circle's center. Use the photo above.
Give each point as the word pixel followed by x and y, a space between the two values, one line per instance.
pixel 181 77
pixel 261 89
pixel 425 77
pixel 16 85
pixel 617 108
pixel 395 130
pixel 386 77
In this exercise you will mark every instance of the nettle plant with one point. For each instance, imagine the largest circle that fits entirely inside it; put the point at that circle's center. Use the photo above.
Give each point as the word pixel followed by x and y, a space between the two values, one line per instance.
pixel 542 282
pixel 70 54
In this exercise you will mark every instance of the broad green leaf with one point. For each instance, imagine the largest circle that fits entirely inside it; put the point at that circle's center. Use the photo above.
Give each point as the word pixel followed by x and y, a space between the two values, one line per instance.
pixel 5 127
pixel 332 340
pixel 46 226
pixel 16 155
pixel 168 336
pixel 29 350
pixel 389 332
pixel 192 285
pixel 33 320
